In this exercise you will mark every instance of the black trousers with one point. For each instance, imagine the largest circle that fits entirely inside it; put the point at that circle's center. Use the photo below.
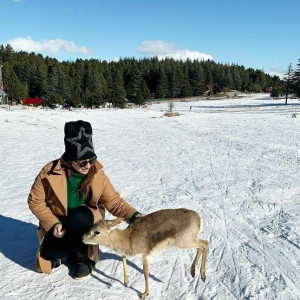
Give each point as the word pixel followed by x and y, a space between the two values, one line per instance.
pixel 79 221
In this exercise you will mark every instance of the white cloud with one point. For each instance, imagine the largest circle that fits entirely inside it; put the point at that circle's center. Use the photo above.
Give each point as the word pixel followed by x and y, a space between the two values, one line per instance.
pixel 116 59
pixel 155 47
pixel 46 46
pixel 278 72
pixel 162 50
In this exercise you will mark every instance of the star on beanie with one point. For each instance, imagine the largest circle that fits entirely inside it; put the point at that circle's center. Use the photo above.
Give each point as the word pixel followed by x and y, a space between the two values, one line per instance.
pixel 78 141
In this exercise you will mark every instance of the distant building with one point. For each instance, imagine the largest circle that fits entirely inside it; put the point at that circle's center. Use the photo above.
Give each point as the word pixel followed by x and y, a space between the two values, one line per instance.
pixel 129 105
pixel 3 94
pixel 32 101
pixel 3 97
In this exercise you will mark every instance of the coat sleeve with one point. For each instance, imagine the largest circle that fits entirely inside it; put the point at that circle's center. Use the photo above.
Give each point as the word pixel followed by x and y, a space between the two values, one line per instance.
pixel 37 203
pixel 114 203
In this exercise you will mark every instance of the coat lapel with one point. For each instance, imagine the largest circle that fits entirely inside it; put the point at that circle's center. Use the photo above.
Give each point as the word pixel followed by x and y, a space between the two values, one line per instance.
pixel 97 189
pixel 96 185
pixel 58 182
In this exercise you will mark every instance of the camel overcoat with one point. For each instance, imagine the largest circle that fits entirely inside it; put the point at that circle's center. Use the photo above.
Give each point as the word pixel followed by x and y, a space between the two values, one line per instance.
pixel 48 202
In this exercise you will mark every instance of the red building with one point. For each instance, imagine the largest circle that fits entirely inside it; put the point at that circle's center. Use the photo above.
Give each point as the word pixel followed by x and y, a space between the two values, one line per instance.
pixel 32 101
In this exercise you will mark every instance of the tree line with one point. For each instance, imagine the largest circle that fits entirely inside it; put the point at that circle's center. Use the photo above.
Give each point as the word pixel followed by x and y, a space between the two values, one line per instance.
pixel 292 80
pixel 93 82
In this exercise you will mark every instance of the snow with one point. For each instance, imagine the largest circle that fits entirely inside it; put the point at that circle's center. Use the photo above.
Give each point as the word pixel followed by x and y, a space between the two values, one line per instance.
pixel 234 161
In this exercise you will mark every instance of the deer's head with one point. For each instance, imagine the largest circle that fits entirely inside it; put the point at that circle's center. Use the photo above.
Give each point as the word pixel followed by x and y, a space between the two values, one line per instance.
pixel 99 233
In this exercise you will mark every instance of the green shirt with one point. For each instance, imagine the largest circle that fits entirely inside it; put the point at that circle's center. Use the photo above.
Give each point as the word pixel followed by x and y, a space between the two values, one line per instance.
pixel 74 197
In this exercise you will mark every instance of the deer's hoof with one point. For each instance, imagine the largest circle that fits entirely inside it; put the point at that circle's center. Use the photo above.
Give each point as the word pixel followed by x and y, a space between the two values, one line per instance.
pixel 203 278
pixel 144 295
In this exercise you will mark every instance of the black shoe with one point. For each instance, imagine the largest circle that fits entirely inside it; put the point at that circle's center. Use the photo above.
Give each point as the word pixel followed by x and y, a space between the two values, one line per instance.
pixel 84 269
pixel 55 263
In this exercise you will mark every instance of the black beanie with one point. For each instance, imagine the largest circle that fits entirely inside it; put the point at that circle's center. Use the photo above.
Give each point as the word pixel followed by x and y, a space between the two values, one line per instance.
pixel 78 141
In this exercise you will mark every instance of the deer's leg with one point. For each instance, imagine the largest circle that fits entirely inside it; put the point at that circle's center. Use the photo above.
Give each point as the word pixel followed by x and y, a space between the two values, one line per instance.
pixel 202 249
pixel 198 254
pixel 204 245
pixel 146 274
pixel 125 269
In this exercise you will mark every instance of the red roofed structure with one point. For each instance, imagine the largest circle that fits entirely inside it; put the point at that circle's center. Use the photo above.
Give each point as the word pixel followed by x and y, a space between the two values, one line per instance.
pixel 32 101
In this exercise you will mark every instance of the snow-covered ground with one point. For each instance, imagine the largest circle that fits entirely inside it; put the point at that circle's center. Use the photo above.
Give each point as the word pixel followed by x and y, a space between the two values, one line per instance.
pixel 234 161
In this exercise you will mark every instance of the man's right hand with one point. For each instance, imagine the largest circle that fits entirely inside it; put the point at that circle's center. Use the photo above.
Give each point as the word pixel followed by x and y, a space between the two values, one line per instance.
pixel 58 232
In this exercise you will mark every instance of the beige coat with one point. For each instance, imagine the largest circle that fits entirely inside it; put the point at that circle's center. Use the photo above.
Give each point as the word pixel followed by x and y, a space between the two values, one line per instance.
pixel 48 202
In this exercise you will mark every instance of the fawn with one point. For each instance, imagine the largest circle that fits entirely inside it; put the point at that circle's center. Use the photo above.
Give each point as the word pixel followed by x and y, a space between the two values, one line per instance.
pixel 156 231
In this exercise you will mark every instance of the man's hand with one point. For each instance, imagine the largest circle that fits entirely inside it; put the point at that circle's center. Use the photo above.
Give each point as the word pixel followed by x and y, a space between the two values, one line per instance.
pixel 58 232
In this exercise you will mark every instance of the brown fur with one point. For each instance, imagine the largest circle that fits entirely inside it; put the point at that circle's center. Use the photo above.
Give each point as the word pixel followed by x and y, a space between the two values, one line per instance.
pixel 154 232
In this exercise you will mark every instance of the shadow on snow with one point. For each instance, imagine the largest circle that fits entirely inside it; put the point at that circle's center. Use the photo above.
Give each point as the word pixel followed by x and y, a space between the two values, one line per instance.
pixel 18 241
pixel 238 106
pixel 104 256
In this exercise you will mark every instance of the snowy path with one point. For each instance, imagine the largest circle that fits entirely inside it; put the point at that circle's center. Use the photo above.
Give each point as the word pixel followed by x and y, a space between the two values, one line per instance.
pixel 234 161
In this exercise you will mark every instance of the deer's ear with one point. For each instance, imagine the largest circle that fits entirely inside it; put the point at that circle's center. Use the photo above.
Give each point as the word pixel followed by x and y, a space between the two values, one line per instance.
pixel 115 222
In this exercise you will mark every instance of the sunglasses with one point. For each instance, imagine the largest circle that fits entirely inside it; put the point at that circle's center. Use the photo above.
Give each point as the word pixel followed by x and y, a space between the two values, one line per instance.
pixel 83 163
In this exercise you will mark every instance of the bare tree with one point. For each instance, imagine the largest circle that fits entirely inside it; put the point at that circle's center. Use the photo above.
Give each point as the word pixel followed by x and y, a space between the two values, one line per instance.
pixel 171 106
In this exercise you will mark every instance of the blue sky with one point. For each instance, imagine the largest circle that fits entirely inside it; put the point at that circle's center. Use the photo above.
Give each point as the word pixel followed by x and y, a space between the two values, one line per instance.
pixel 261 34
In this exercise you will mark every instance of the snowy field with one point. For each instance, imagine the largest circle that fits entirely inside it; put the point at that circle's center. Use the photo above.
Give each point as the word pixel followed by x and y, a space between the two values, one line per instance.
pixel 234 161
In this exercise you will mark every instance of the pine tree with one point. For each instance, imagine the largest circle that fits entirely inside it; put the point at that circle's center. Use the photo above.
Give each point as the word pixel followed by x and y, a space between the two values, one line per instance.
pixel 208 72
pixel 16 89
pixel 229 80
pixel 288 79
pixel 236 78
pixel 63 88
pixel 38 81
pixel 116 91
pixel 186 89
pixel 143 94
pixel 261 80
pixel 161 89
pixel 175 78
pixel 274 92
pixel 51 95
pixel 75 75
pixel 92 82
pixel 197 80
pixel 296 80
pixel 132 79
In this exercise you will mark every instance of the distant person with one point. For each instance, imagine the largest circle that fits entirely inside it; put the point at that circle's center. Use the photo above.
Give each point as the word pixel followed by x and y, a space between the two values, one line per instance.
pixel 68 196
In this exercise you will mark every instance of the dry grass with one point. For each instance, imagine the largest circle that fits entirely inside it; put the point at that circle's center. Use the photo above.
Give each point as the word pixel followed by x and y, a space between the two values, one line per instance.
pixel 171 114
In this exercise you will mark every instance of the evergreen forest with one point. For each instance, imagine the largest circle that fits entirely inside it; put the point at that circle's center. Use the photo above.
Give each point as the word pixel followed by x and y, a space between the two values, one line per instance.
pixel 92 82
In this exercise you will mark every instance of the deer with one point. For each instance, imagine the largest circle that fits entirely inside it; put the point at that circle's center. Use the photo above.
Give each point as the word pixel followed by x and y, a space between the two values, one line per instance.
pixel 151 233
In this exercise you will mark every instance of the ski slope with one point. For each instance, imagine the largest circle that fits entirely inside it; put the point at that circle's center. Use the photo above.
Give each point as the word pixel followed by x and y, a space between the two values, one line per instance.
pixel 234 161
